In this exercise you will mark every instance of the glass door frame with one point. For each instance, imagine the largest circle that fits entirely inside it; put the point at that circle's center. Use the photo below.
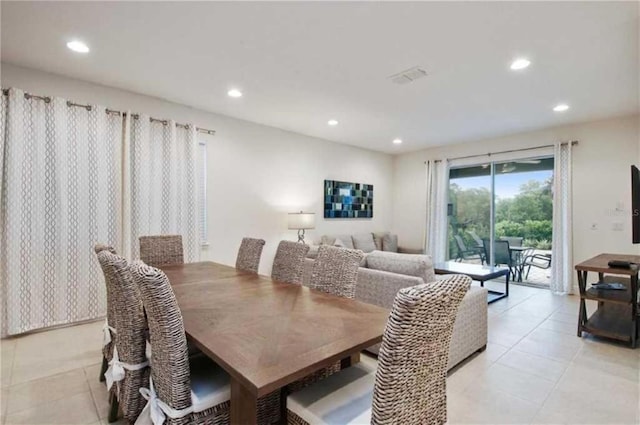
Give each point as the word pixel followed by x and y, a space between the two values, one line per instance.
pixel 492 204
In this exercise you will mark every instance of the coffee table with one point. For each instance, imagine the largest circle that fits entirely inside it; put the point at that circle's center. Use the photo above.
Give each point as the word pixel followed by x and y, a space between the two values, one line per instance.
pixel 478 273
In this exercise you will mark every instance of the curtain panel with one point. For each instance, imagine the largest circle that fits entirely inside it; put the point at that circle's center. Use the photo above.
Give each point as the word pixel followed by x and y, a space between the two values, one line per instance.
pixel 562 243
pixel 161 184
pixel 437 220
pixel 60 194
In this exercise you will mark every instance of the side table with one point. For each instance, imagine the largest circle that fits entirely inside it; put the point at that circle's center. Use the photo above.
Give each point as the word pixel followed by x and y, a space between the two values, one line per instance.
pixel 617 313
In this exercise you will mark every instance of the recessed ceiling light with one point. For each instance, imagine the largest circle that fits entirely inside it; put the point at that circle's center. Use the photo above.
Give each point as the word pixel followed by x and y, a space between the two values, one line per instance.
pixel 520 63
pixel 234 93
pixel 561 107
pixel 332 122
pixel 78 46
pixel 397 141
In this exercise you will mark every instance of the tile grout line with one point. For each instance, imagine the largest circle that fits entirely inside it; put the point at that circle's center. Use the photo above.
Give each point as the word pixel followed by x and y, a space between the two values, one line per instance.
pixel 539 409
pixel 559 380
pixel 528 333
pixel 93 399
pixel 13 359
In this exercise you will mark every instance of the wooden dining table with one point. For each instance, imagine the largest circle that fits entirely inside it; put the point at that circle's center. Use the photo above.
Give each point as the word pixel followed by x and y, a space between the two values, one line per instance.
pixel 268 334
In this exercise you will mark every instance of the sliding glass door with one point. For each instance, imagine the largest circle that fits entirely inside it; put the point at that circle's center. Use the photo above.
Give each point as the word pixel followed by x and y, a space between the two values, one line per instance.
pixel 501 213
pixel 469 211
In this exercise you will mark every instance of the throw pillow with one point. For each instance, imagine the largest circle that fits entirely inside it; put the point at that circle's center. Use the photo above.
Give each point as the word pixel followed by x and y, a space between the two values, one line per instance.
pixel 331 240
pixel 364 242
pixel 327 240
pixel 377 238
pixel 390 243
pixel 339 243
pixel 313 251
pixel 346 240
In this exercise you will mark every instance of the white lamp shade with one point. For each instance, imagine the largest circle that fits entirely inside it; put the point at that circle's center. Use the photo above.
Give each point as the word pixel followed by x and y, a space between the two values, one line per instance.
pixel 302 220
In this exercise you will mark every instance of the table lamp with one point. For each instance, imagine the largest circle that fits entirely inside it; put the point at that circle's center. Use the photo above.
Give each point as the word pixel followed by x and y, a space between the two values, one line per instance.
pixel 301 221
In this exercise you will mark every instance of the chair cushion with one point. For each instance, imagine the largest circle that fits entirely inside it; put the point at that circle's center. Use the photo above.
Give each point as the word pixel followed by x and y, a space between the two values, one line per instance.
pixel 209 384
pixel 342 398
pixel 364 242
pixel 407 264
pixel 390 243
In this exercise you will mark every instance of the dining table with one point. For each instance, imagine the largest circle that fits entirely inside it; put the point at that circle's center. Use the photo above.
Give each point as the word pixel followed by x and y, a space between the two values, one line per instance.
pixel 267 334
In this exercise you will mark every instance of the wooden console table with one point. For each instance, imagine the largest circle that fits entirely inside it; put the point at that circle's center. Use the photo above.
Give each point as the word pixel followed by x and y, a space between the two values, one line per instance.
pixel 617 313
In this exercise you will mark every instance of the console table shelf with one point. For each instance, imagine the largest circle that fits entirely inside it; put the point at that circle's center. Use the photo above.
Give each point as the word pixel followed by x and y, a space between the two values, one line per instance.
pixel 611 322
pixel 611 296
pixel 617 313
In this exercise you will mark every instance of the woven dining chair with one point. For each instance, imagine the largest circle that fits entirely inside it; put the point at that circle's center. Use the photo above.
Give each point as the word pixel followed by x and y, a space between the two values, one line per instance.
pixel 288 264
pixel 191 390
pixel 128 369
pixel 335 271
pixel 161 250
pixel 109 329
pixel 409 385
pixel 249 254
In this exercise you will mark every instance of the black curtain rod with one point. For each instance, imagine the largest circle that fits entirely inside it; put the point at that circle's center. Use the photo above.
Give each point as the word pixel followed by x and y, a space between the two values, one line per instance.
pixel 573 142
pixel 47 99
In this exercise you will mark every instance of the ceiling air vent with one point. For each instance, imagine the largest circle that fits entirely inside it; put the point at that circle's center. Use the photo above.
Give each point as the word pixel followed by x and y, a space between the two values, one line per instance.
pixel 408 76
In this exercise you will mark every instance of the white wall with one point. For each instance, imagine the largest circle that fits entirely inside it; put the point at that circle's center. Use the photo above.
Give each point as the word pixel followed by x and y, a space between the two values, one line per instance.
pixel 601 181
pixel 256 174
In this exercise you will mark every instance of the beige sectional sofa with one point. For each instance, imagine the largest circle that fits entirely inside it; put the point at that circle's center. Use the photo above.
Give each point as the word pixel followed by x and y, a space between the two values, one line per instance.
pixel 382 274
pixel 366 242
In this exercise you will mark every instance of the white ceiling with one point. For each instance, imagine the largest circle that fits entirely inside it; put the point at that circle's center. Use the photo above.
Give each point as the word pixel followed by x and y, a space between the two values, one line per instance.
pixel 301 64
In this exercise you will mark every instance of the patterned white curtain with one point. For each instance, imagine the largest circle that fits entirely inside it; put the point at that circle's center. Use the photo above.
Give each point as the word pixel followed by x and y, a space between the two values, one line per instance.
pixel 437 198
pixel 60 194
pixel 161 183
pixel 562 244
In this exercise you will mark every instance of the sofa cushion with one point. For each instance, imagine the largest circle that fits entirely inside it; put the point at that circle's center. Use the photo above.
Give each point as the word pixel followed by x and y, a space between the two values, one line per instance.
pixel 407 264
pixel 390 242
pixel 377 239
pixel 364 242
pixel 331 240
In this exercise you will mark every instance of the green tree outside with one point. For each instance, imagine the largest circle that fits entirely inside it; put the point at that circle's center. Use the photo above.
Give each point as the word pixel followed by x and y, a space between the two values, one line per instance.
pixel 528 214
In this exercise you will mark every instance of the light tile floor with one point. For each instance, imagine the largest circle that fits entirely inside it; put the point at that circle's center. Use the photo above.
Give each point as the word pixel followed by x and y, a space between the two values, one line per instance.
pixel 535 370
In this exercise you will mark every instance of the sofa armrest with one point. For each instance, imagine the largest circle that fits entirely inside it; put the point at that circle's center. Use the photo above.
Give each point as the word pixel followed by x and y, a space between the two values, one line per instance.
pixel 403 250
pixel 379 287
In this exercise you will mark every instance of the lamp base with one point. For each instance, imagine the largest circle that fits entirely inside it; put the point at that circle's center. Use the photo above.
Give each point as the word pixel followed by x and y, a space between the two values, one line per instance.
pixel 301 235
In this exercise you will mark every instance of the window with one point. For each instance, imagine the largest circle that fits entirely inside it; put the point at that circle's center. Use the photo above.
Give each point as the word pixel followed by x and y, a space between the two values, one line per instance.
pixel 202 196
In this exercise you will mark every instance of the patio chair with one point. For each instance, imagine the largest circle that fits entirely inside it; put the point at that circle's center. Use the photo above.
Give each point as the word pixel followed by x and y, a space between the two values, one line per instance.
pixel 513 240
pixel 465 253
pixel 501 255
pixel 541 261
pixel 479 244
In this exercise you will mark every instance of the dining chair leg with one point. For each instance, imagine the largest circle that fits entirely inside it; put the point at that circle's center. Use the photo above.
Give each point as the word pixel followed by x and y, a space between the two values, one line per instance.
pixel 114 406
pixel 103 369
pixel 283 405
